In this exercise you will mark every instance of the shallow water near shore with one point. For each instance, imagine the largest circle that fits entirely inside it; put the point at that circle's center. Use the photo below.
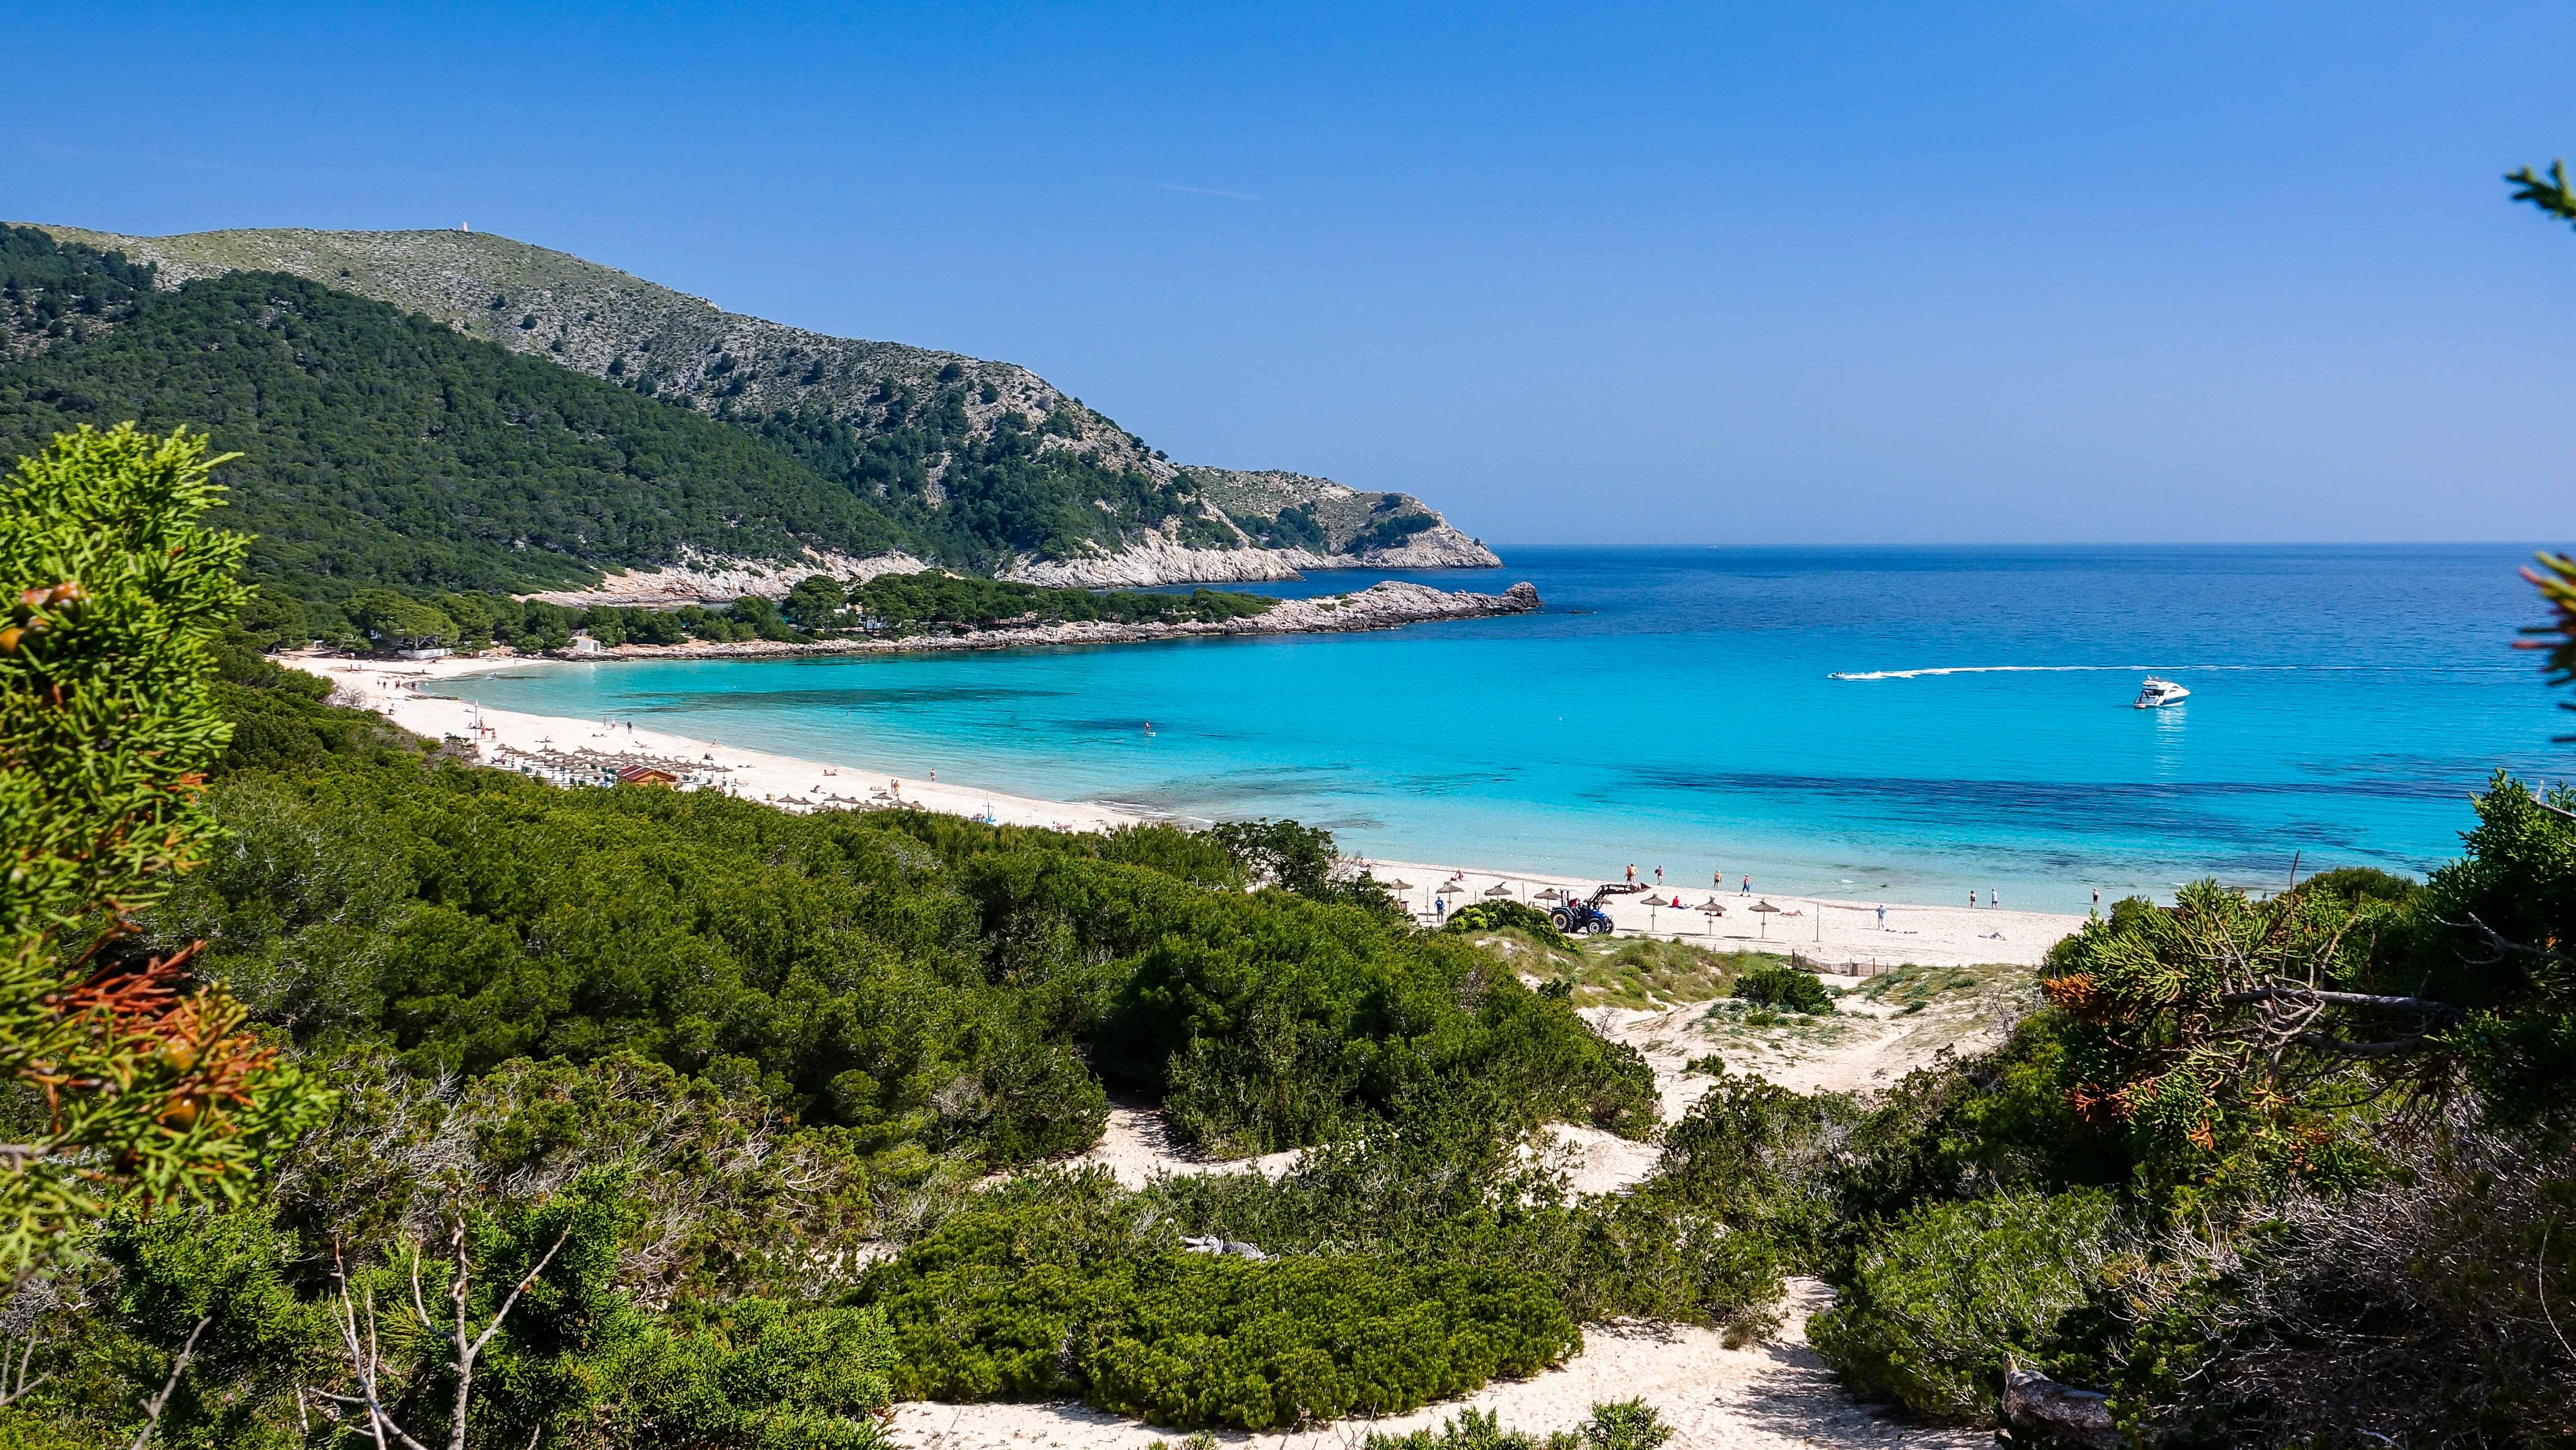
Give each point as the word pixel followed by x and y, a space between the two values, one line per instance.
pixel 1861 723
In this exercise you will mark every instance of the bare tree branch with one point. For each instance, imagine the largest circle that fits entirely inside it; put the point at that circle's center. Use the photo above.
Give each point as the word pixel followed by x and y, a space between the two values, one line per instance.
pixel 153 1407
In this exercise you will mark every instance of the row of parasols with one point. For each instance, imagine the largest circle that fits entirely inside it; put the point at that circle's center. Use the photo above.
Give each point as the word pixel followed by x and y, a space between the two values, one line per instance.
pixel 1712 908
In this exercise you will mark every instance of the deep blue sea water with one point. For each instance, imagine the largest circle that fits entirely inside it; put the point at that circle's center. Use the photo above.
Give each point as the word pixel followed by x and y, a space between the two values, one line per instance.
pixel 1893 724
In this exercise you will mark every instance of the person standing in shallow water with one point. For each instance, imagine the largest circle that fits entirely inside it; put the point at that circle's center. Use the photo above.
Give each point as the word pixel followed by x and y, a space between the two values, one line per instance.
pixel 1748 886
pixel 1632 873
pixel 1994 900
pixel 1972 898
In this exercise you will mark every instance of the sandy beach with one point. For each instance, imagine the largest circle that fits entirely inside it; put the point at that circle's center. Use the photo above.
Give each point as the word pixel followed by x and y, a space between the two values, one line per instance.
pixel 1835 933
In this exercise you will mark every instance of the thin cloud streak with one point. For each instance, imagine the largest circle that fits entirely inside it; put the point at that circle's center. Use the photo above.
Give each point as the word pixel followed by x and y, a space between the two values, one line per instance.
pixel 1199 190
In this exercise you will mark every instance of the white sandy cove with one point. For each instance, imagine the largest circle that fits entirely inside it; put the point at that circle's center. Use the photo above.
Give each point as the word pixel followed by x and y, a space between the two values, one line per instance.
pixel 1835 932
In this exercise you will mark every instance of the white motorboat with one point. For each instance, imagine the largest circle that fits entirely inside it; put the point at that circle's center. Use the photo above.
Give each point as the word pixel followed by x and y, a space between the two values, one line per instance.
pixel 2160 692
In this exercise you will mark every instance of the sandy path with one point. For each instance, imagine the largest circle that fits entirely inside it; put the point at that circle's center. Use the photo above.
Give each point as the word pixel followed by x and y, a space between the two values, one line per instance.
pixel 1776 1393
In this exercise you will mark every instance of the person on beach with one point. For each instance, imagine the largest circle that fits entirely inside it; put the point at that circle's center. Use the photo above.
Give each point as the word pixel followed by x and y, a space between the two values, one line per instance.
pixel 1993 901
pixel 1882 916
pixel 1972 898
pixel 1632 873
pixel 1748 886
pixel 2097 901
pixel 1659 878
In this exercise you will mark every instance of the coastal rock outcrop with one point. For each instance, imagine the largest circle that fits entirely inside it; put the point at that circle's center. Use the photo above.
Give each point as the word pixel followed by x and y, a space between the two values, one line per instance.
pixel 1389 605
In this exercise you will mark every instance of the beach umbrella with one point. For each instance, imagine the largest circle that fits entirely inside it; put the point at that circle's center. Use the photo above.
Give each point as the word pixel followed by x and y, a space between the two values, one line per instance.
pixel 1498 889
pixel 1766 908
pixel 1552 894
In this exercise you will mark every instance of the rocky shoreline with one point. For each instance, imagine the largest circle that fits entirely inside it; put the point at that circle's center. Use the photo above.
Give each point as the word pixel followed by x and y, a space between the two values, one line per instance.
pixel 1390 605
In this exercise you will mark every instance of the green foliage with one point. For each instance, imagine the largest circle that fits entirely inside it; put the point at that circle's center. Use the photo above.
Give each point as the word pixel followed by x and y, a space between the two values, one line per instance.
pixel 1440 1181
pixel 218 1287
pixel 1762 1159
pixel 381 449
pixel 2179 1036
pixel 470 917
pixel 1043 1289
pixel 2363 883
pixel 1304 860
pixel 1944 1296
pixel 2551 194
pixel 763 1376
pixel 105 718
pixel 1621 1425
pixel 2496 934
pixel 1472 1429
pixel 1392 530
pixel 1498 915
pixel 1625 1425
pixel 279 719
pixel 1002 495
pixel 50 292
pixel 908 602
pixel 1785 987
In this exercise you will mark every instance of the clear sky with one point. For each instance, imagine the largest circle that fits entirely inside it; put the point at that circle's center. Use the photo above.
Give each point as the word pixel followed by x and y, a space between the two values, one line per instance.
pixel 1917 272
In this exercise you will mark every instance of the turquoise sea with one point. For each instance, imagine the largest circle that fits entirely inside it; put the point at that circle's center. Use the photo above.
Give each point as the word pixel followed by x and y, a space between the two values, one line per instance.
pixel 1895 724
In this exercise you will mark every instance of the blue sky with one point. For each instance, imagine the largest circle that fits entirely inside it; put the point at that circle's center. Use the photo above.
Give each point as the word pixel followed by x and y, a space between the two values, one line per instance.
pixel 1718 273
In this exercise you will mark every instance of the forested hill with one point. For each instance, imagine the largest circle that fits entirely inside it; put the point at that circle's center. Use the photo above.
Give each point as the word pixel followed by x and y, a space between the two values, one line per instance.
pixel 986 464
pixel 383 449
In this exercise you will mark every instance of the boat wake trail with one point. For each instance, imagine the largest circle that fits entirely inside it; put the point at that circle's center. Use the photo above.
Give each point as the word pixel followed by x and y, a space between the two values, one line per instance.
pixel 2049 670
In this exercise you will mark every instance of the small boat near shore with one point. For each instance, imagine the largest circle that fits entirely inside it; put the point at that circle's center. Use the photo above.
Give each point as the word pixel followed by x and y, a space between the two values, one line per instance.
pixel 2155 692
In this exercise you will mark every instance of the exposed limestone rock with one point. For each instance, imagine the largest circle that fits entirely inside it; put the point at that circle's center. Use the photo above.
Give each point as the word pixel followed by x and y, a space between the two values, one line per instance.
pixel 1442 547
pixel 708 579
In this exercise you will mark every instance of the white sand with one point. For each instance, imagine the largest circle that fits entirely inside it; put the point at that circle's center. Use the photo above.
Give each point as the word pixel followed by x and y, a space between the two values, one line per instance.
pixel 1830 930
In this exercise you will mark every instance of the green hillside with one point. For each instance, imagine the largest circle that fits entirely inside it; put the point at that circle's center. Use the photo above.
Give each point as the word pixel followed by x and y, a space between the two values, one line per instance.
pixel 991 467
pixel 383 449
pixel 987 463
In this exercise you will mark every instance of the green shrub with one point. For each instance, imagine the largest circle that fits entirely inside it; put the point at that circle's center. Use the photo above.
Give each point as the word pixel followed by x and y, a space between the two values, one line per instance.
pixel 1498 915
pixel 1626 1425
pixel 1027 1298
pixel 1473 1430
pixel 1785 987
pixel 1943 1296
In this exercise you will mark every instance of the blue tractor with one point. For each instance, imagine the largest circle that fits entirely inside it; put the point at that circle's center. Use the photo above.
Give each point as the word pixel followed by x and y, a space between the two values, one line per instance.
pixel 1586 918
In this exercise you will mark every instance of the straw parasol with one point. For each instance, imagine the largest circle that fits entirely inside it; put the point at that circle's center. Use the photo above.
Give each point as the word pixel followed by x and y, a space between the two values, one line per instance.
pixel 1766 908
pixel 1551 894
pixel 1711 910
pixel 1497 889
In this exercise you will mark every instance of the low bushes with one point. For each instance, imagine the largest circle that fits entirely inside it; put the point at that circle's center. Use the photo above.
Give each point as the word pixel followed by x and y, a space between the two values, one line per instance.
pixel 1500 915
pixel 1785 987
pixel 1059 1289
pixel 1943 1297
pixel 1622 1425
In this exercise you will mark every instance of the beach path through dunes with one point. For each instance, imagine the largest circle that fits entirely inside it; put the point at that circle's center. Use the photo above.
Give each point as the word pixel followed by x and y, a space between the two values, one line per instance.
pixel 1773 1393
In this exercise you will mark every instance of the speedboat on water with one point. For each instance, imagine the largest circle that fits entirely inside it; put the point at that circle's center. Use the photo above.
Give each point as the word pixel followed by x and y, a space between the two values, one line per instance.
pixel 2159 692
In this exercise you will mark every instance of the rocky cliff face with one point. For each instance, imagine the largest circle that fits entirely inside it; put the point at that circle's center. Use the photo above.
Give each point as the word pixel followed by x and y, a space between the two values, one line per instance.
pixel 619 327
